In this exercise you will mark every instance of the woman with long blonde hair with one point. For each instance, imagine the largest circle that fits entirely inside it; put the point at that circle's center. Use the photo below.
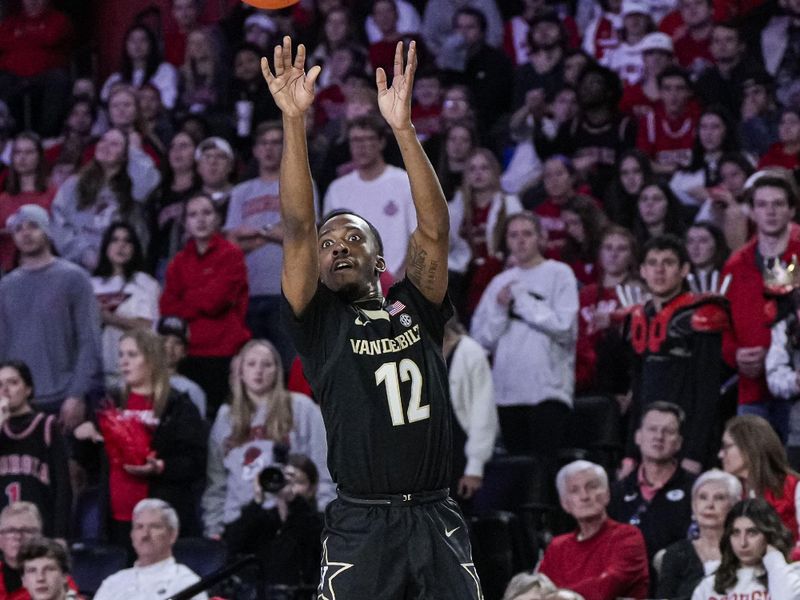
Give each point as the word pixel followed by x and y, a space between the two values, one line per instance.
pixel 177 436
pixel 202 77
pixel 259 427
pixel 478 214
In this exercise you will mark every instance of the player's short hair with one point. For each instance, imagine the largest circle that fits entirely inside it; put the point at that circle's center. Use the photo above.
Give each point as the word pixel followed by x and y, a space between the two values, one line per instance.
pixel 22 507
pixel 575 467
pixel 666 242
pixel 167 512
pixel 663 406
pixel 45 548
pixel 343 211
pixel 733 486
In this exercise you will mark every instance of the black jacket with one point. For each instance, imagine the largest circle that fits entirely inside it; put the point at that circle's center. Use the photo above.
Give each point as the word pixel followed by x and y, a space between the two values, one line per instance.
pixel 662 521
pixel 289 550
pixel 181 441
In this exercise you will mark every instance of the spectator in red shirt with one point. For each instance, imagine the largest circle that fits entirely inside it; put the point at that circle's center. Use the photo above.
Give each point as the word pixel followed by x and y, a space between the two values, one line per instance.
pixel 426 111
pixel 693 47
pixel 76 135
pixel 602 559
pixel 786 152
pixel 184 19
pixel 602 364
pixel 34 57
pixel 206 285
pixel 558 176
pixel 773 199
pixel 381 52
pixel 643 96
pixel 666 135
pixel 26 184
pixel 584 221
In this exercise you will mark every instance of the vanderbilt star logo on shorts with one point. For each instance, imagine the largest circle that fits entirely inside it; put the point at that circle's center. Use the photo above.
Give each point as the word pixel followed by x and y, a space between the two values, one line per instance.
pixel 329 571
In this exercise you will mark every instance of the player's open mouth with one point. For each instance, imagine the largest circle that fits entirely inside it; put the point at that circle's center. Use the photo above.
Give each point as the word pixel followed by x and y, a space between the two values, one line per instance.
pixel 340 265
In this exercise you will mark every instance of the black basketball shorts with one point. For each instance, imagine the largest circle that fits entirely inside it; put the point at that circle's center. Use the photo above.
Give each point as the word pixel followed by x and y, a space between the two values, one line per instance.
pixel 408 547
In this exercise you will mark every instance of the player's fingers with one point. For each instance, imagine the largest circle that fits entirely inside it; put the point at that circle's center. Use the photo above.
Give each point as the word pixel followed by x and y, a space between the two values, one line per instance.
pixel 287 52
pixel 411 64
pixel 398 59
pixel 265 70
pixel 380 79
pixel 311 78
pixel 277 60
pixel 300 59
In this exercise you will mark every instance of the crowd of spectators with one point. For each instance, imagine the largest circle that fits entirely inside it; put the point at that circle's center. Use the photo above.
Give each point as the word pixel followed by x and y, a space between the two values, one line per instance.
pixel 622 178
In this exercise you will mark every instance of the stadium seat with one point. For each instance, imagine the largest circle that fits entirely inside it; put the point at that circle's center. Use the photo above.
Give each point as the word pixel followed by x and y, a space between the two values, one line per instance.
pixel 594 432
pixel 513 482
pixel 93 562
pixel 500 549
pixel 201 555
pixel 89 517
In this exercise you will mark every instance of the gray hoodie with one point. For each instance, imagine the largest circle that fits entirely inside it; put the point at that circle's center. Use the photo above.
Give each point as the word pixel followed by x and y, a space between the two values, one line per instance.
pixel 77 233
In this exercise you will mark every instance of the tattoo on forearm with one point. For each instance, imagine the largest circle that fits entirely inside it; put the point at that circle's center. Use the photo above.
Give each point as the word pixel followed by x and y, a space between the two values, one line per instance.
pixel 433 270
pixel 420 269
pixel 416 262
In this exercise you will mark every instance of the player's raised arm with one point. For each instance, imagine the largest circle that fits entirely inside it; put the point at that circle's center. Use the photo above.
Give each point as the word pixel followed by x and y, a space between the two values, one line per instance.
pixel 293 91
pixel 426 262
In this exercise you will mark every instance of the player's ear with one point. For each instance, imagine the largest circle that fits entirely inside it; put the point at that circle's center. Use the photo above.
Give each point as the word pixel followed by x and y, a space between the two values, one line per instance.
pixel 380 265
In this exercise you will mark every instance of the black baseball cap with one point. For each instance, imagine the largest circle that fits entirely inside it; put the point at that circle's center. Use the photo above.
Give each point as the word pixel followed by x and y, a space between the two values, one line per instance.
pixel 174 326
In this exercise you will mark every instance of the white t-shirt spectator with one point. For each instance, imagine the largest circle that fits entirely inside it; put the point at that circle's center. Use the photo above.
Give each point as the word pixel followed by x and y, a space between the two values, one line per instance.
pixel 386 203
pixel 136 298
pixel 153 582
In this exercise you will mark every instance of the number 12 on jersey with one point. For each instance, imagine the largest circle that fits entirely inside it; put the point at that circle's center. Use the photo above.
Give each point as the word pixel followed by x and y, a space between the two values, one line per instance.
pixel 391 374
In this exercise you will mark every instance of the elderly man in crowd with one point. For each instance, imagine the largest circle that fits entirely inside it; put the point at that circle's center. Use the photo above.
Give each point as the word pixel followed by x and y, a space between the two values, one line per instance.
pixel 603 559
pixel 20 522
pixel 155 574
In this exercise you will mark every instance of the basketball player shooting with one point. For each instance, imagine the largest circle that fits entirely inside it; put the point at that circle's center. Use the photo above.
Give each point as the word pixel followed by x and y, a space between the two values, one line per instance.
pixel 375 363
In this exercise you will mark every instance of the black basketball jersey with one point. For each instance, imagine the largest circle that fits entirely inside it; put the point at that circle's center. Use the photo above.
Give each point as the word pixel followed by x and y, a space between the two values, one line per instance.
pixel 33 467
pixel 377 368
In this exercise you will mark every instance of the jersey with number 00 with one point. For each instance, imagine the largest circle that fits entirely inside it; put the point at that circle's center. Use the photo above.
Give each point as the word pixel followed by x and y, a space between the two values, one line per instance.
pixel 376 368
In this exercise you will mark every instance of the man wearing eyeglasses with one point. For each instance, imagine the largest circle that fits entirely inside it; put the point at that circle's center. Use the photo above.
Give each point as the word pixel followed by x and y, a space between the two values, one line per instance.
pixel 19 523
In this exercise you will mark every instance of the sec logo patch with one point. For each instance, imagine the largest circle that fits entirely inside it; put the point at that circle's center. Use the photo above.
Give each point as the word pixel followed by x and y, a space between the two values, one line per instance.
pixel 405 320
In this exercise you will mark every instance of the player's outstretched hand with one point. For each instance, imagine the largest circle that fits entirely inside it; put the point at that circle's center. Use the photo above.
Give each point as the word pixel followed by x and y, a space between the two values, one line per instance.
pixel 290 86
pixel 395 101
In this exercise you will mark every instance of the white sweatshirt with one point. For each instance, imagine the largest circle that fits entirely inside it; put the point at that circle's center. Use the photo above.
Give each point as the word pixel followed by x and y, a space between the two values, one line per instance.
pixel 783 582
pixel 534 343
pixel 473 402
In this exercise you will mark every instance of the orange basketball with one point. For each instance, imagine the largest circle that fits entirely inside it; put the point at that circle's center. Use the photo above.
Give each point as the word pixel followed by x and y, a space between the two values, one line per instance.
pixel 270 4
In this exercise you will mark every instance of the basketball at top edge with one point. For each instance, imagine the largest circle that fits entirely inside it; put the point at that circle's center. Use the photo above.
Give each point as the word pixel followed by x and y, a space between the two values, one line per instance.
pixel 270 4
